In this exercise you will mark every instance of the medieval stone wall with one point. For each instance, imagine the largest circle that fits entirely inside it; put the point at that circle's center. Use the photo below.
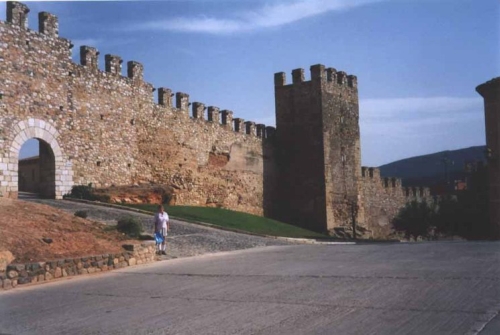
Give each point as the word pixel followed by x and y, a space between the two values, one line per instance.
pixel 382 200
pixel 105 128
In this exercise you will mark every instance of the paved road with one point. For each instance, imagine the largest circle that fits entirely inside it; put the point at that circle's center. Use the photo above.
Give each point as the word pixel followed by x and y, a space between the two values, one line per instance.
pixel 427 288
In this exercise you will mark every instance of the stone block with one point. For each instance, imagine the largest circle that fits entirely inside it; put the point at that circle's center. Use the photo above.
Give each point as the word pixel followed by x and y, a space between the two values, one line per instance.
pixel 7 284
pixel 132 261
pixel 58 272
pixel 11 274
pixel 16 267
pixel 24 280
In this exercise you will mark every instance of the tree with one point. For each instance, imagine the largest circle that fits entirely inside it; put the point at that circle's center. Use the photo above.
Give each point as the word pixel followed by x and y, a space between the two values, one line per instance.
pixel 415 219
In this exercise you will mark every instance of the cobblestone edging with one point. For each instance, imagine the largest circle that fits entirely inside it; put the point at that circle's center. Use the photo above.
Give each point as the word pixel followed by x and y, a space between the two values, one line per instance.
pixel 30 273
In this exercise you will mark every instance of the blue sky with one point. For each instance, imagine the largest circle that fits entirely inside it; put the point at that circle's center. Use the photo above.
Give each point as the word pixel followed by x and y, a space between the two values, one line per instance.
pixel 417 61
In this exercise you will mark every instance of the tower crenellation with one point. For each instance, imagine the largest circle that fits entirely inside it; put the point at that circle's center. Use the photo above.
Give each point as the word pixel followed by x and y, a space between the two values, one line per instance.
pixel 298 76
pixel 280 79
pixel 318 72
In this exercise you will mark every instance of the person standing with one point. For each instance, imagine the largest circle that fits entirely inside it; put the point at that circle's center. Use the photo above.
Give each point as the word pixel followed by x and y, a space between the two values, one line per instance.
pixel 161 224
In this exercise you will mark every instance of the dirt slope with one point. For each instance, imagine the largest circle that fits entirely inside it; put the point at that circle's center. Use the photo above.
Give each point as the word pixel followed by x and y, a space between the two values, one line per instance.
pixel 23 225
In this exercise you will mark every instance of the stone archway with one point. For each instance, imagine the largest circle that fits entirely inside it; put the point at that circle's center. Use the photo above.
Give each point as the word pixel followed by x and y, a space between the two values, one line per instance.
pixel 58 169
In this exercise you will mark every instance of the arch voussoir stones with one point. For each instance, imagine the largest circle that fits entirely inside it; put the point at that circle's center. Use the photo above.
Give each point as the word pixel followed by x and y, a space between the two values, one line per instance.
pixel 43 131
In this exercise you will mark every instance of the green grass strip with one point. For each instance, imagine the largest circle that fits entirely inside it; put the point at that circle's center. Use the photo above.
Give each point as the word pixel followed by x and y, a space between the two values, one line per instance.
pixel 235 220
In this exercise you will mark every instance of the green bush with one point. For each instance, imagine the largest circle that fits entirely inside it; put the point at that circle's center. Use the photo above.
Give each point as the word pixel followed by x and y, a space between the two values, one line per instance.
pixel 86 192
pixel 81 192
pixel 81 214
pixel 129 226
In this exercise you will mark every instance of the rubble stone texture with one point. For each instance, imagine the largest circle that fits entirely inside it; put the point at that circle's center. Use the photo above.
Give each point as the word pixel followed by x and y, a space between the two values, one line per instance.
pixel 134 254
pixel 104 128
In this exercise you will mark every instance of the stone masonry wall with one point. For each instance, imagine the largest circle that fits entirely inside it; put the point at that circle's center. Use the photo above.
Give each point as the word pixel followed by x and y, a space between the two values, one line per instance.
pixel 341 137
pixel 300 158
pixel 20 274
pixel 321 184
pixel 382 200
pixel 104 128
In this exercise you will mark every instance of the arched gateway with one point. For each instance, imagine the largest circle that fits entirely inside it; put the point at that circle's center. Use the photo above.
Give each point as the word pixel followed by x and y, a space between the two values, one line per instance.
pixel 56 172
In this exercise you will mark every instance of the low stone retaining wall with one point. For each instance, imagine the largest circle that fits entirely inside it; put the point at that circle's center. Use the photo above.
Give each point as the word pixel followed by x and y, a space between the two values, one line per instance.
pixel 19 274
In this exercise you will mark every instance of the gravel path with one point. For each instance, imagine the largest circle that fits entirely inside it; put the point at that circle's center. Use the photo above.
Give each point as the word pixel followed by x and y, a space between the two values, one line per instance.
pixel 184 240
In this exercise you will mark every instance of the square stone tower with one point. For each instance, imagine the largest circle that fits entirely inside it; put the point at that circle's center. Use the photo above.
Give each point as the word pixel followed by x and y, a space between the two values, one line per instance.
pixel 318 149
pixel 490 91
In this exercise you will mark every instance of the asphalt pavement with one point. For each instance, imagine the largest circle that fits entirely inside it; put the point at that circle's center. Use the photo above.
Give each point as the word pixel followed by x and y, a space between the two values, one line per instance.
pixel 404 288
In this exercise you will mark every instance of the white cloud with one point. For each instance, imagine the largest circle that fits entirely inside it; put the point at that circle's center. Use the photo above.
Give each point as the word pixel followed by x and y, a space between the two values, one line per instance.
pixel 393 129
pixel 405 117
pixel 408 107
pixel 273 15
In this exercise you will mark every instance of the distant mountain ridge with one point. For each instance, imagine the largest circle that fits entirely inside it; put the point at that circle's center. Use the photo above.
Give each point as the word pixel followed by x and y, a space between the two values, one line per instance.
pixel 433 168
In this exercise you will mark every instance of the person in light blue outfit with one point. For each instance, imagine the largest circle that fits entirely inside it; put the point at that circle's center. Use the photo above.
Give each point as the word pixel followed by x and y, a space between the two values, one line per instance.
pixel 161 225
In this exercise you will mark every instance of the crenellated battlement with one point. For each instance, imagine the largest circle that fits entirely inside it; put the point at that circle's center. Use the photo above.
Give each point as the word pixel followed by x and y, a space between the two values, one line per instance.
pixel 101 117
pixel 135 70
pixel 89 57
pixel 48 24
pixel 417 192
pixel 239 125
pixel 165 96
pixel 198 110
pixel 113 64
pixel 392 182
pixel 318 73
pixel 17 14
pixel 370 172
pixel 213 114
